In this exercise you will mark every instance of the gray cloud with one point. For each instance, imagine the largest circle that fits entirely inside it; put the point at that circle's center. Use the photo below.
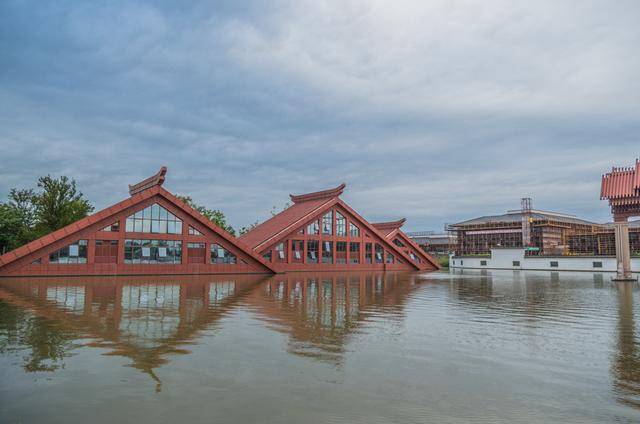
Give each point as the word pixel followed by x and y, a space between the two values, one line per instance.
pixel 437 111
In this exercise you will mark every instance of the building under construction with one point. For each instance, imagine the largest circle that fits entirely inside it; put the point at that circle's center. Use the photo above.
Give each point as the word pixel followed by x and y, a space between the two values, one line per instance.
pixel 539 232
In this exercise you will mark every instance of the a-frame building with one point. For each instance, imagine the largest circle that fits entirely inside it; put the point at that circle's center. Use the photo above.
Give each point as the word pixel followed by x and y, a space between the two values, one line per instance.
pixel 392 232
pixel 320 232
pixel 151 232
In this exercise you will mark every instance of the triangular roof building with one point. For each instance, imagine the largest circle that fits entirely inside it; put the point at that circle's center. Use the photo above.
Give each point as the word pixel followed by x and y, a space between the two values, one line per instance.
pixel 320 232
pixel 151 232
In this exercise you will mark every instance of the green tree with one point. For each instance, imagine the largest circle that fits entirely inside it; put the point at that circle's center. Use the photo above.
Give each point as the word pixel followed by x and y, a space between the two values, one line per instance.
pixel 30 214
pixel 214 215
pixel 58 204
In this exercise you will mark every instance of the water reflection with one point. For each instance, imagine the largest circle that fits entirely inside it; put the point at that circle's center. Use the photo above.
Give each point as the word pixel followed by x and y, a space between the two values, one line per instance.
pixel 146 319
pixel 627 360
pixel 149 319
pixel 536 346
pixel 320 312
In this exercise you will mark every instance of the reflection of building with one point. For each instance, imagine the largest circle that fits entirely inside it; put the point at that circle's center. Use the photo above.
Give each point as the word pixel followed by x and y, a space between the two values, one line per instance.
pixel 143 318
pixel 320 311
pixel 321 232
pixel 150 319
pixel 151 232
pixel 626 367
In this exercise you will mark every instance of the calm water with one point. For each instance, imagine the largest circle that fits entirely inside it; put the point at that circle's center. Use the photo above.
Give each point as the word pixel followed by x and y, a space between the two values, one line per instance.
pixel 332 348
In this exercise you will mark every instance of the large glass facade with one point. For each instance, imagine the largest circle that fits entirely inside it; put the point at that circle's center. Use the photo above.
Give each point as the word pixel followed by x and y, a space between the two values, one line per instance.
pixel 75 253
pixel 341 225
pixel 152 251
pixel 154 219
pixel 220 255
pixel 327 223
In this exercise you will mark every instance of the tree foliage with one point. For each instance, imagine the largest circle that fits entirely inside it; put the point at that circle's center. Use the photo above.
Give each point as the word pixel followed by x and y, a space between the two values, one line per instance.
pixel 214 215
pixel 33 213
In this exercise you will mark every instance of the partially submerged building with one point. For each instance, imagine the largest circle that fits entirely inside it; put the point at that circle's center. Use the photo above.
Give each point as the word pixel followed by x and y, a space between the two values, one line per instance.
pixel 392 231
pixel 151 232
pixel 155 232
pixel 319 231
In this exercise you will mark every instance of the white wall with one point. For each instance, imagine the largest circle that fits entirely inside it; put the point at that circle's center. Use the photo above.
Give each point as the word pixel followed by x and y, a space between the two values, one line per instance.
pixel 504 258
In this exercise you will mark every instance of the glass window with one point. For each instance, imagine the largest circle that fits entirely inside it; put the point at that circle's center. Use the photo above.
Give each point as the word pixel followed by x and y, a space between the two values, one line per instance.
pixel 297 249
pixel 220 255
pixel 194 232
pixel 341 225
pixel 379 253
pixel 341 252
pixel 75 253
pixel 313 228
pixel 368 253
pixel 389 258
pixel 152 251
pixel 267 256
pixel 398 242
pixel 154 219
pixel 354 231
pixel 327 223
pixel 312 251
pixel 281 253
pixel 113 228
pixel 327 252
pixel 354 252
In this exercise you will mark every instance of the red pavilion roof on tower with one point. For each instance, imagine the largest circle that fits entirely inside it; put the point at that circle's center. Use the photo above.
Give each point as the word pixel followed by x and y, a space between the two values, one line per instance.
pixel 621 187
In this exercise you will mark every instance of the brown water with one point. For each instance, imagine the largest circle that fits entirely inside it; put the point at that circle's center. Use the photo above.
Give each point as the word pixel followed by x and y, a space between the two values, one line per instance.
pixel 332 348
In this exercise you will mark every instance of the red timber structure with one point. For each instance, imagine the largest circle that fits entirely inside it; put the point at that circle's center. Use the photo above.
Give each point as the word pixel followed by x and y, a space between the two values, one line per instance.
pixel 392 232
pixel 621 187
pixel 151 232
pixel 320 232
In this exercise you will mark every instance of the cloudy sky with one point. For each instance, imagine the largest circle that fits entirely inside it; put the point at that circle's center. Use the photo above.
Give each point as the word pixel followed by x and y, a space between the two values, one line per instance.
pixel 436 111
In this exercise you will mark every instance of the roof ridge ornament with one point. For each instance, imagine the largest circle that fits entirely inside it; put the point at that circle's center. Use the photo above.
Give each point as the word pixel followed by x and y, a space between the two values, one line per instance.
pixel 318 195
pixel 154 180
pixel 390 224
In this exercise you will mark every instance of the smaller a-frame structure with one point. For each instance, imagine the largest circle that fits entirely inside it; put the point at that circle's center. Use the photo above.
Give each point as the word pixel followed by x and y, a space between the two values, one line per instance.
pixel 320 232
pixel 392 232
pixel 151 232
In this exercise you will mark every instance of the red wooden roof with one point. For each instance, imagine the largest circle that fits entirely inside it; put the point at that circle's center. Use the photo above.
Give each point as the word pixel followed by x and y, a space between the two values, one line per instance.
pixel 303 208
pixel 387 227
pixel 318 195
pixel 621 183
pixel 119 207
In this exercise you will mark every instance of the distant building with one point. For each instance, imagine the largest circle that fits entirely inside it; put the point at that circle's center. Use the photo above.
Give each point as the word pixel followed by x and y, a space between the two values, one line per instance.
pixel 539 232
pixel 435 243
